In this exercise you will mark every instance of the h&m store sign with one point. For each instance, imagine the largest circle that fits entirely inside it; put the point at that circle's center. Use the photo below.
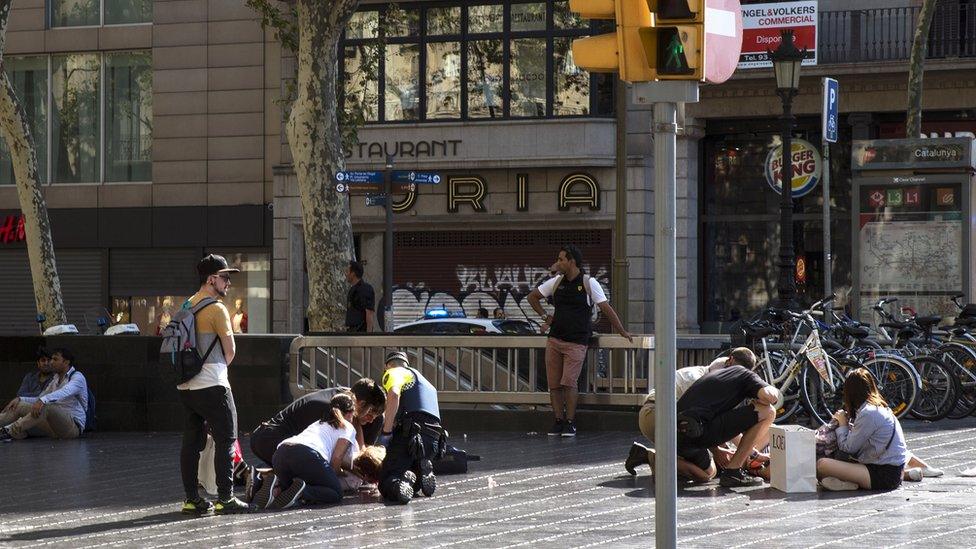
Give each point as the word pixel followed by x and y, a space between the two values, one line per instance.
pixel 12 229
pixel 470 191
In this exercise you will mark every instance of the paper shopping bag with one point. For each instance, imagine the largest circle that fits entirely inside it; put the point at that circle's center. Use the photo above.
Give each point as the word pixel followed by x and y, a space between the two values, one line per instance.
pixel 792 458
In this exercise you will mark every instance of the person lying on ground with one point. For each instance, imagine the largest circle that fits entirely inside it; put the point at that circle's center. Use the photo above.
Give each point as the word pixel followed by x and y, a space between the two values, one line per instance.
pixel 307 466
pixel 869 432
pixel 684 378
pixel 59 411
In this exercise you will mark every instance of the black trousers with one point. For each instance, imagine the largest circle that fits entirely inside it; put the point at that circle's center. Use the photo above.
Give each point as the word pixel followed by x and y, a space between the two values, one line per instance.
pixel 215 405
pixel 399 459
pixel 265 440
pixel 297 461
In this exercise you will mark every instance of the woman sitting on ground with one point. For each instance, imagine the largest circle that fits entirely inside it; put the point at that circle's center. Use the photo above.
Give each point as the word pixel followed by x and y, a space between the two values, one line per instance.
pixel 307 466
pixel 869 432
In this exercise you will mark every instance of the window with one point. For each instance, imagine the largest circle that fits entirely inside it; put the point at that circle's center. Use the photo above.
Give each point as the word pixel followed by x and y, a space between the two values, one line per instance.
pixel 29 78
pixel 128 105
pixel 75 80
pixel 89 13
pixel 100 124
pixel 475 60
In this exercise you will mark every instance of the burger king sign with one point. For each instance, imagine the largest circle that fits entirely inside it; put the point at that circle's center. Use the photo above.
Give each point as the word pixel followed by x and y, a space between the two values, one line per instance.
pixel 807 167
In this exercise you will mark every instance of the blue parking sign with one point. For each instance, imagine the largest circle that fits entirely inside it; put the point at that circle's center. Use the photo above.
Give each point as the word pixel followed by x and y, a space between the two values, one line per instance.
pixel 831 115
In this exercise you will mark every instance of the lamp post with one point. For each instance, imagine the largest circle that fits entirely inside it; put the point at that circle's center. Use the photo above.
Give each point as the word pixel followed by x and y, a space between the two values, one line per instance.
pixel 786 64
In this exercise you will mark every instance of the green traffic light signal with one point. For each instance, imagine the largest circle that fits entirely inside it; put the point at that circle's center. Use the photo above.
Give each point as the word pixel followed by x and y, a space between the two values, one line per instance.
pixel 671 57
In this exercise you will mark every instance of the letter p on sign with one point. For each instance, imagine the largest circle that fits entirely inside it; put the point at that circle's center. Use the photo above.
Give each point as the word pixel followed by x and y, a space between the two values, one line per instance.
pixel 831 96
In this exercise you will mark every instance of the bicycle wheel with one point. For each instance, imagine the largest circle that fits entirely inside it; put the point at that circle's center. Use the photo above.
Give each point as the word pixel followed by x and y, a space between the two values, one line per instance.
pixel 791 394
pixel 897 380
pixel 939 389
pixel 822 397
pixel 962 362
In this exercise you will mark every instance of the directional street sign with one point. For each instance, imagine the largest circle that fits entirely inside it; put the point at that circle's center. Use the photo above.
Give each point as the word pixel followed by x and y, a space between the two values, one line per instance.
pixel 359 177
pixel 376 200
pixel 831 93
pixel 422 178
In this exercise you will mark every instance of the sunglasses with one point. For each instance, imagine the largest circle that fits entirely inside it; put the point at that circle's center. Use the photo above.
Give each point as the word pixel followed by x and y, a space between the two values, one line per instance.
pixel 225 278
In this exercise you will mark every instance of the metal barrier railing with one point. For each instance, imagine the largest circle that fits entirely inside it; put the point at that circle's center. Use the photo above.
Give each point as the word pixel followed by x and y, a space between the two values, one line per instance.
pixel 496 369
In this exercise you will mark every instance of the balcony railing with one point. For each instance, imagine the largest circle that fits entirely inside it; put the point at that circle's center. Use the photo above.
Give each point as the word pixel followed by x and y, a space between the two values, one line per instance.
pixel 886 34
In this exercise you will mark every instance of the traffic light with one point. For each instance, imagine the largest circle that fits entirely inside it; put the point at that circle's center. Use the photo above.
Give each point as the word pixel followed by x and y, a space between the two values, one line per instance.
pixel 675 45
pixel 623 51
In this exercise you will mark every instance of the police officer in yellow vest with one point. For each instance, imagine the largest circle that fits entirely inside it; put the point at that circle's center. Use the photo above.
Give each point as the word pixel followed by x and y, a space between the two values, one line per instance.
pixel 412 432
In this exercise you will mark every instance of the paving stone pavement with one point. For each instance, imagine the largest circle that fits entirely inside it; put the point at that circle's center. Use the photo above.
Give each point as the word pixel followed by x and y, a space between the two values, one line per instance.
pixel 528 491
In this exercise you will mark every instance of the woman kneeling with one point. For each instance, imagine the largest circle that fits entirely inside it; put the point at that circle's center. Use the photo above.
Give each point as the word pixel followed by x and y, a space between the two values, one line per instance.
pixel 870 432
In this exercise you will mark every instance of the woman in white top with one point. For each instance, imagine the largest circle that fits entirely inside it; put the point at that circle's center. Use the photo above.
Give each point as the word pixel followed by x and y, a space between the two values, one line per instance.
pixel 308 465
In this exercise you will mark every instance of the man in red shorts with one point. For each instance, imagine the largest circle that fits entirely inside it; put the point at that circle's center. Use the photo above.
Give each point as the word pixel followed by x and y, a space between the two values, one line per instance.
pixel 573 295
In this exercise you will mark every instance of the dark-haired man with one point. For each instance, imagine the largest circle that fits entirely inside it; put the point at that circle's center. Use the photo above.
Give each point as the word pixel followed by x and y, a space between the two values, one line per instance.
pixel 573 295
pixel 35 380
pixel 207 396
pixel 59 411
pixel 306 410
pixel 360 301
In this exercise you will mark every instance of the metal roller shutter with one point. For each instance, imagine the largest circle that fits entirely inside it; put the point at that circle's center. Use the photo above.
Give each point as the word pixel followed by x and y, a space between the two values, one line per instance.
pixel 82 282
pixel 18 312
pixel 462 271
pixel 144 272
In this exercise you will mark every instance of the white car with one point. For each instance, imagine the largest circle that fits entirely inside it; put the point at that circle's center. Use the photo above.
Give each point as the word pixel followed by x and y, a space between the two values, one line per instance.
pixel 466 326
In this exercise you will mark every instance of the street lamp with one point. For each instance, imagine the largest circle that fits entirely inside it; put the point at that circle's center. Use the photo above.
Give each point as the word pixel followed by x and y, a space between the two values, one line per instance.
pixel 786 64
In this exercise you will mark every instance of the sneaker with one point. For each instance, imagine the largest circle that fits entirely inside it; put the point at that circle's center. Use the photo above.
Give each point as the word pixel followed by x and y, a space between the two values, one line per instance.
pixel 263 496
pixel 737 478
pixel 557 428
pixel 428 482
pixel 914 474
pixel 289 496
pixel 637 456
pixel 569 429
pixel 231 506
pixel 5 435
pixel 197 507
pixel 252 483
pixel 971 472
pixel 835 484
pixel 932 472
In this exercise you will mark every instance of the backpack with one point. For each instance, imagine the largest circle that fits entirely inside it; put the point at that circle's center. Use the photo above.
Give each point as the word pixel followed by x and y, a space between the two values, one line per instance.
pixel 180 342
pixel 90 419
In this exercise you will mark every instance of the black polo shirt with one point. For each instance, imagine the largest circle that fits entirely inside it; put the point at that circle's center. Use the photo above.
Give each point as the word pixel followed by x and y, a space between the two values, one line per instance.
pixel 571 321
pixel 359 299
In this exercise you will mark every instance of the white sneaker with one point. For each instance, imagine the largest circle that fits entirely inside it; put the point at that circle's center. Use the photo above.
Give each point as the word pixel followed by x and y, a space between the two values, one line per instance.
pixel 835 484
pixel 914 474
pixel 971 472
pixel 932 472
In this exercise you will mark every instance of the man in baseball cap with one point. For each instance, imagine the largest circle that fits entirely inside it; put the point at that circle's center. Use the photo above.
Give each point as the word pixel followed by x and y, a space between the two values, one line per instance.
pixel 412 431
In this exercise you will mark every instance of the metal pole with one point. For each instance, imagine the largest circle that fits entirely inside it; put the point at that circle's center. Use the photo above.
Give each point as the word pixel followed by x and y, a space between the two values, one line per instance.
pixel 827 259
pixel 665 329
pixel 621 277
pixel 787 259
pixel 388 246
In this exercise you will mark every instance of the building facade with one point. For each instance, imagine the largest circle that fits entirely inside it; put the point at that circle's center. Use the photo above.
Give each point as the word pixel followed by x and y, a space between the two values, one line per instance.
pixel 160 138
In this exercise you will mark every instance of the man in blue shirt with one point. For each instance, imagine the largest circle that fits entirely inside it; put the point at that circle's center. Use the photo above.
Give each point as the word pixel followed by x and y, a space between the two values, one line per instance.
pixel 59 411
pixel 35 381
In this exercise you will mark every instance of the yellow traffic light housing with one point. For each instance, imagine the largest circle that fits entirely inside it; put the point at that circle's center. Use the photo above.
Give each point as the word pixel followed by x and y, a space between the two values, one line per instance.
pixel 622 51
pixel 676 44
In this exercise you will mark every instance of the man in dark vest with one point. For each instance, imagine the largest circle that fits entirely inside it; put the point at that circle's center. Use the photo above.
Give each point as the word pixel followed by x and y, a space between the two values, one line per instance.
pixel 574 294
pixel 412 432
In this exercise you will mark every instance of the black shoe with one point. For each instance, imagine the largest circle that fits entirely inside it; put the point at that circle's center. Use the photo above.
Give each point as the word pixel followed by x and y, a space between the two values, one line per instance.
pixel 427 483
pixel 263 496
pixel 689 426
pixel 637 456
pixel 406 487
pixel 5 435
pixel 557 428
pixel 569 429
pixel 252 483
pixel 231 506
pixel 288 497
pixel 737 478
pixel 198 507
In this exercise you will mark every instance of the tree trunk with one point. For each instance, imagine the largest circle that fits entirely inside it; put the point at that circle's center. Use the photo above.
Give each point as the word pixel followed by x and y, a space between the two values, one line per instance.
pixel 916 66
pixel 316 147
pixel 37 226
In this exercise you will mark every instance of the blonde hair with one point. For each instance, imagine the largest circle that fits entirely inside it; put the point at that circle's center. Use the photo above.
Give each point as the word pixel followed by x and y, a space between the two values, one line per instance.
pixel 366 464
